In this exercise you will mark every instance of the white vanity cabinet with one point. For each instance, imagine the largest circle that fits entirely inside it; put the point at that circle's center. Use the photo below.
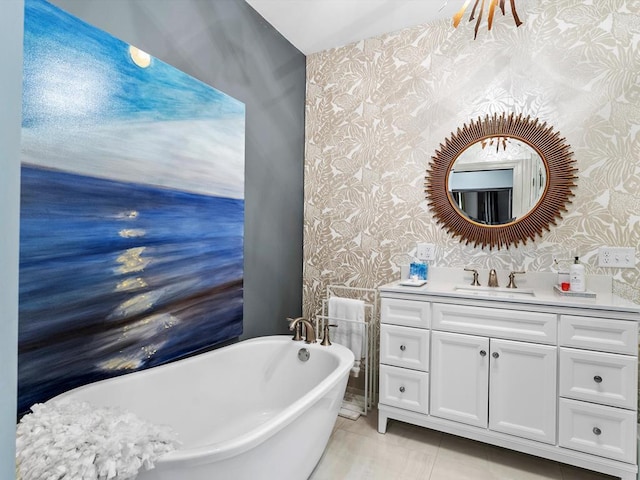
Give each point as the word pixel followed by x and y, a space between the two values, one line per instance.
pixel 545 378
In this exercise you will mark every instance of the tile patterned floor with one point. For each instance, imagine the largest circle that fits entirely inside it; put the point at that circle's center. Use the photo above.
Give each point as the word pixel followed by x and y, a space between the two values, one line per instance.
pixel 356 451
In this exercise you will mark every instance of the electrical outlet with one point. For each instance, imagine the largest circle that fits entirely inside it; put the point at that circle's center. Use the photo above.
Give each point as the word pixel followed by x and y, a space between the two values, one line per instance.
pixel 617 257
pixel 425 251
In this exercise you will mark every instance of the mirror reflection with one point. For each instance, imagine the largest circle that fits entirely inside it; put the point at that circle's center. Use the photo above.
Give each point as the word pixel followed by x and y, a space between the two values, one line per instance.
pixel 497 180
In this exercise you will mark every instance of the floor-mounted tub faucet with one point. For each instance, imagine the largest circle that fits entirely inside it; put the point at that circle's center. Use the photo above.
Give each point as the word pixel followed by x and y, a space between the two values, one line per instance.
pixel 309 330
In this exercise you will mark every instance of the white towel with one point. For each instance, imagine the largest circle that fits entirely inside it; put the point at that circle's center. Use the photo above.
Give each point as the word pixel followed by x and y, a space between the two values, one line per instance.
pixel 350 333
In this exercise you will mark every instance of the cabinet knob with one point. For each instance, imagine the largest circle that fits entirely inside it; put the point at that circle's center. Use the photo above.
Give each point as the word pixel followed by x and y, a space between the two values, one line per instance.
pixel 597 379
pixel 597 431
pixel 495 354
pixel 403 347
pixel 401 389
pixel 483 353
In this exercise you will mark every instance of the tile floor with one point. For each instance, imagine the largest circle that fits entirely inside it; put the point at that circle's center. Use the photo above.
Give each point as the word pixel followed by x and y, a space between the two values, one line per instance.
pixel 356 451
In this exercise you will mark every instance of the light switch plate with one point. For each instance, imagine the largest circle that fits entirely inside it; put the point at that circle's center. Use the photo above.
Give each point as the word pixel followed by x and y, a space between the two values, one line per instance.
pixel 425 251
pixel 617 257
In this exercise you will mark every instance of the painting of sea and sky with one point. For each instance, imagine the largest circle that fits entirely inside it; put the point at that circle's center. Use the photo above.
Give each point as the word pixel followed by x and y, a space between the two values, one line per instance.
pixel 132 209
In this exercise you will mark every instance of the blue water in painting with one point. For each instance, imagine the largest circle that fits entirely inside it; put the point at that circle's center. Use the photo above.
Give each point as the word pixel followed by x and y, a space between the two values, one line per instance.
pixel 118 276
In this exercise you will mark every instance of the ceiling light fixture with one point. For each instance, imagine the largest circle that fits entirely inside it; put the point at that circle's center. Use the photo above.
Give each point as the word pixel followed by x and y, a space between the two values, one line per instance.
pixel 492 10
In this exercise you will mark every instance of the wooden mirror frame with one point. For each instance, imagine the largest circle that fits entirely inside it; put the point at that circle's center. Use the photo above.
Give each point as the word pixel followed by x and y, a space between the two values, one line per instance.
pixel 556 157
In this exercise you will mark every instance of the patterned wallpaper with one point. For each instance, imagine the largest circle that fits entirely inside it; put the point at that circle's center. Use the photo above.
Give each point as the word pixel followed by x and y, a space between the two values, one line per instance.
pixel 377 110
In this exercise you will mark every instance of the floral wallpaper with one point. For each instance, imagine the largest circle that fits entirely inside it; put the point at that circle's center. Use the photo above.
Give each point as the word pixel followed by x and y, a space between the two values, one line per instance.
pixel 377 110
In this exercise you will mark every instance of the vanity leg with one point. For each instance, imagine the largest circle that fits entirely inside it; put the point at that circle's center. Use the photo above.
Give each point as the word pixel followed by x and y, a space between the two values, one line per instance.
pixel 382 422
pixel 638 450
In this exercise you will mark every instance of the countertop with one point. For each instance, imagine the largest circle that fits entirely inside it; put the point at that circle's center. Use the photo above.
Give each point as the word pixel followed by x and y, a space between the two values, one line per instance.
pixel 443 281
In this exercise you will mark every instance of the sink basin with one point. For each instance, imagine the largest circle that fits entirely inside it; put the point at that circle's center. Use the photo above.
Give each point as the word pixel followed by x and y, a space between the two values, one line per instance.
pixel 500 292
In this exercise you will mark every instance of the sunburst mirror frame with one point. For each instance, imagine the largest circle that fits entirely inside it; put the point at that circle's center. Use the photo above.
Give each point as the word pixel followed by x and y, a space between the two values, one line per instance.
pixel 560 173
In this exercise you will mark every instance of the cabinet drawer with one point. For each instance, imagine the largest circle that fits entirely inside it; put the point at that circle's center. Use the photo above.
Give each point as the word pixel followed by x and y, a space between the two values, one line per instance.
pixel 598 377
pixel 404 347
pixel 409 313
pixel 403 388
pixel 602 334
pixel 495 322
pixel 605 431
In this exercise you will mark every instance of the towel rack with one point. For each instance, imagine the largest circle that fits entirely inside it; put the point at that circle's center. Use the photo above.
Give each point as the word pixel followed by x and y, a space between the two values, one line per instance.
pixel 356 403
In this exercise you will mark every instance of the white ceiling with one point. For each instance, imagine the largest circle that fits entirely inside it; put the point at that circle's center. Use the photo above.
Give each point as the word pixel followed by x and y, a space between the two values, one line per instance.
pixel 316 25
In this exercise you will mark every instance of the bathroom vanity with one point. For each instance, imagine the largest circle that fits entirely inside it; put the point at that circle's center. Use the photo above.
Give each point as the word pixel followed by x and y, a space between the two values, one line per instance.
pixel 524 369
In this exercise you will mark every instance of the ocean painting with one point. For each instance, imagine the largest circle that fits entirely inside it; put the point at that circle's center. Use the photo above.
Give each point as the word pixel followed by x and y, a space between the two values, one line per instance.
pixel 132 209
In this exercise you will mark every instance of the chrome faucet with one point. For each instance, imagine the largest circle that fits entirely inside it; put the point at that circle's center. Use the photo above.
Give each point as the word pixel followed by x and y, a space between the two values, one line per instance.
pixel 493 278
pixel 309 330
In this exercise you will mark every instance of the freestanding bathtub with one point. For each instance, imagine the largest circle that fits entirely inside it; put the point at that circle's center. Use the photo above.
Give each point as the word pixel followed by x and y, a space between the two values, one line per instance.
pixel 251 410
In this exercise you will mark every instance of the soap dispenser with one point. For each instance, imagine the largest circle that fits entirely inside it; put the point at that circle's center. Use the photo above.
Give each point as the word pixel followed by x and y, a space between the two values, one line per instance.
pixel 576 277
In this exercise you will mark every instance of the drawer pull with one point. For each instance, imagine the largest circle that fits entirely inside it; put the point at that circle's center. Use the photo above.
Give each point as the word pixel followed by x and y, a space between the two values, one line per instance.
pixel 596 431
pixel 597 379
pixel 403 348
pixel 401 389
pixel 495 354
pixel 483 353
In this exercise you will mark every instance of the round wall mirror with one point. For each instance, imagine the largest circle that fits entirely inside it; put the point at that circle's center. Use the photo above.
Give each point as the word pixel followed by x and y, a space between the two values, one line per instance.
pixel 497 180
pixel 500 180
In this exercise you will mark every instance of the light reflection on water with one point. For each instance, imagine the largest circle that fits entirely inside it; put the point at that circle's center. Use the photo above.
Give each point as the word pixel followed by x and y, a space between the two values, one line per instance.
pixel 149 333
pixel 135 283
pixel 94 302
pixel 131 261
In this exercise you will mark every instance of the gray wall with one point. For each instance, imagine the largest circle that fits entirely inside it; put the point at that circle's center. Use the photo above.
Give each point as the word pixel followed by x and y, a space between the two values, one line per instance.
pixel 11 22
pixel 227 45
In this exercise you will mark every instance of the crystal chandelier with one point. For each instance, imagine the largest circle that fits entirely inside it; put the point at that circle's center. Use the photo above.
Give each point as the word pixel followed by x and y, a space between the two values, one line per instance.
pixel 492 4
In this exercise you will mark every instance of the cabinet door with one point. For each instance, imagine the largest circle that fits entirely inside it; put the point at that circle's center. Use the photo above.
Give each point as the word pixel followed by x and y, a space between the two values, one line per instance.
pixel 459 377
pixel 522 390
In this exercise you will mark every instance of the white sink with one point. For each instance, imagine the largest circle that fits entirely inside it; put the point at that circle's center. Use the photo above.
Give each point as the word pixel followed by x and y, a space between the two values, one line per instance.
pixel 500 292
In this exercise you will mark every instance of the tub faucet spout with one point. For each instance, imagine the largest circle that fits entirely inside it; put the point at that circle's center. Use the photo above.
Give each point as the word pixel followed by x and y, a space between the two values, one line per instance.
pixel 309 330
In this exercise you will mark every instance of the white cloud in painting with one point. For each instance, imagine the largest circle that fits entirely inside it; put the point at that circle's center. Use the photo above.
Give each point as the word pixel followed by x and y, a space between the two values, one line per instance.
pixel 203 156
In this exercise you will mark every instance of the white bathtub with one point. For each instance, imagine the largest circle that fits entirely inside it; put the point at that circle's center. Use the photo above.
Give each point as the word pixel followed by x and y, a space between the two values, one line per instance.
pixel 251 410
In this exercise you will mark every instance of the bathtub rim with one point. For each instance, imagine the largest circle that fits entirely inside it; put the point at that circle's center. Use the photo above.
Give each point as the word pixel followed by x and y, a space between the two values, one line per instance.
pixel 235 446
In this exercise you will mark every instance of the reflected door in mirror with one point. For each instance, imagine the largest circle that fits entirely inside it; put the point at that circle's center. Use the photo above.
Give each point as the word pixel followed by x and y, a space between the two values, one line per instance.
pixel 484 196
pixel 507 175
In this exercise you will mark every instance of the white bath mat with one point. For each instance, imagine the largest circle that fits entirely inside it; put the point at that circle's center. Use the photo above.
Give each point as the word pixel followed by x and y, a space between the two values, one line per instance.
pixel 352 408
pixel 350 414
